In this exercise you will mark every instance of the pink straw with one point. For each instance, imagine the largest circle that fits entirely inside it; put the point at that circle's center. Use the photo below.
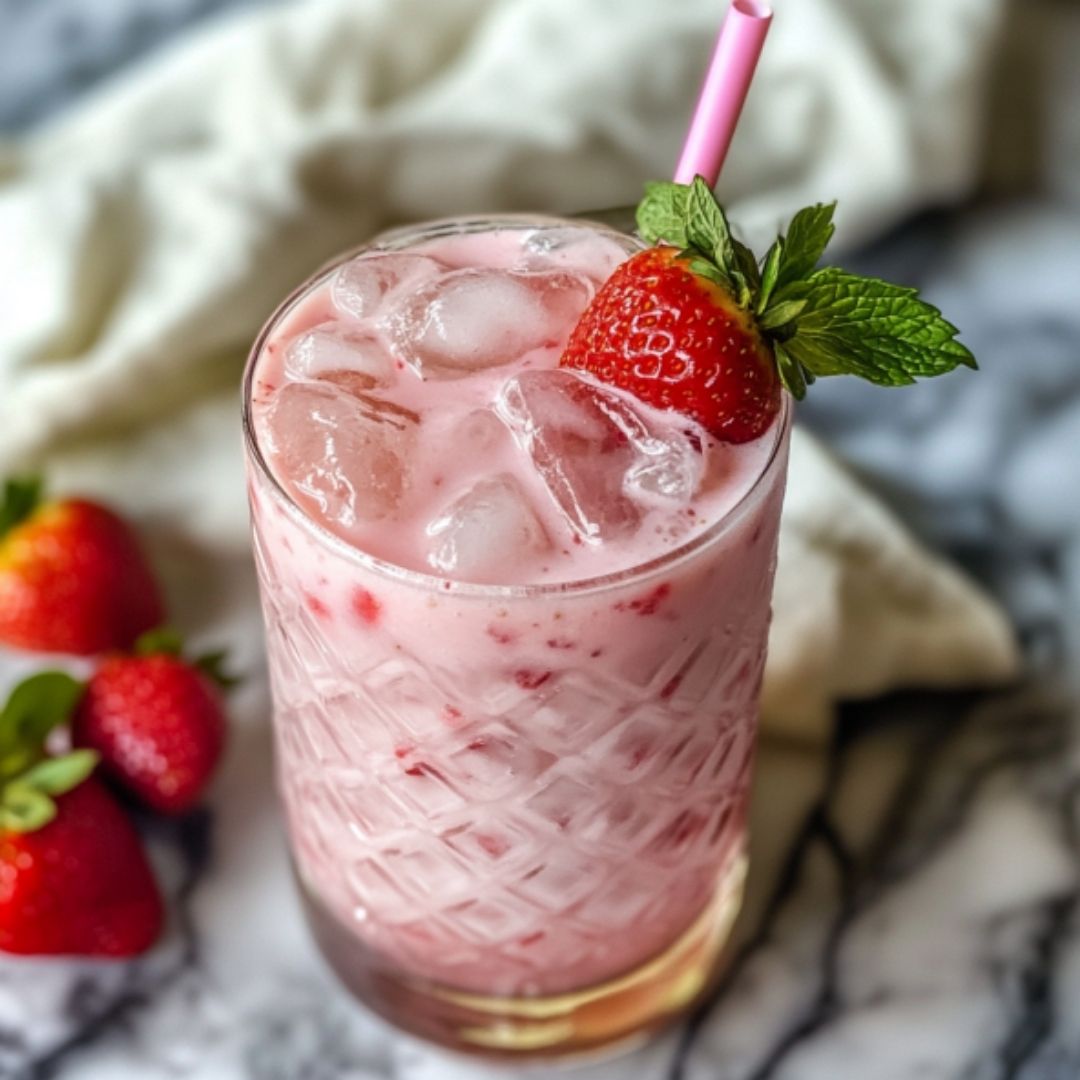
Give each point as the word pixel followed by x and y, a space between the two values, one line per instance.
pixel 730 71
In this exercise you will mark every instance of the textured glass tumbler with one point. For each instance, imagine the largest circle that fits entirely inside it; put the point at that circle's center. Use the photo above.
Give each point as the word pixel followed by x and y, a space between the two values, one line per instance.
pixel 517 813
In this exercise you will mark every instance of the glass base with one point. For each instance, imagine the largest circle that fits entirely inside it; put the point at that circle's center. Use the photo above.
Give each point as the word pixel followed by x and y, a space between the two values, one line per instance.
pixel 610 1017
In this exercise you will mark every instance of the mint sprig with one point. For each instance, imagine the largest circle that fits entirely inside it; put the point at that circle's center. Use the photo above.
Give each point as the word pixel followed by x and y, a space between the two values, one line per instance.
pixel 819 321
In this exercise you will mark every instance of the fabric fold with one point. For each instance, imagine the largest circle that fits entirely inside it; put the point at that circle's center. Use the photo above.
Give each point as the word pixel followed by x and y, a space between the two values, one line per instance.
pixel 146 235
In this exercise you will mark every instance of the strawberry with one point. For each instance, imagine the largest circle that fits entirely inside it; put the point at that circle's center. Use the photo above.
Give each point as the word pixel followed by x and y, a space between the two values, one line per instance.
pixel 677 340
pixel 79 885
pixel 156 720
pixel 698 326
pixel 73 876
pixel 72 577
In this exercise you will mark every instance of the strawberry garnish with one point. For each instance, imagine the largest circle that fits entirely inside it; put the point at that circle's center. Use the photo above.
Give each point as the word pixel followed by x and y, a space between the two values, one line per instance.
pixel 72 576
pixel 669 336
pixel 73 876
pixel 156 720
pixel 699 326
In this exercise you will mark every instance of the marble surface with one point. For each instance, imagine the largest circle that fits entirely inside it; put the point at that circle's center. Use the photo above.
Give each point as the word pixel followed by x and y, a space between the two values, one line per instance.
pixel 915 897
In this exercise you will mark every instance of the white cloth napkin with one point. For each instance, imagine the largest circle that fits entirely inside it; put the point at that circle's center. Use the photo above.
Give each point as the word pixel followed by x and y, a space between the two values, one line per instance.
pixel 145 236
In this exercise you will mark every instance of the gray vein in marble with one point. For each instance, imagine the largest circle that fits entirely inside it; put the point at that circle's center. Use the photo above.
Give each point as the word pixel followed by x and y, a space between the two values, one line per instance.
pixel 48 1011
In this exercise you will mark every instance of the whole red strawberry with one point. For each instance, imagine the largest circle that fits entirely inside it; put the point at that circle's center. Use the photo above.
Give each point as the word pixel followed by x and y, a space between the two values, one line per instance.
pixel 72 577
pixel 697 325
pixel 677 340
pixel 73 876
pixel 157 721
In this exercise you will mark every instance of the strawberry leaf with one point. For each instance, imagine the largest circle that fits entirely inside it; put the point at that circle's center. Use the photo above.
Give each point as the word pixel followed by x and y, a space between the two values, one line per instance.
pixel 57 775
pixel 21 496
pixel 24 809
pixel 34 708
pixel 161 640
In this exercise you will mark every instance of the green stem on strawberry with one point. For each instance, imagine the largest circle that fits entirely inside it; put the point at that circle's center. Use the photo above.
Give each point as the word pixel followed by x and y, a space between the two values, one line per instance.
pixel 164 640
pixel 30 780
pixel 818 320
pixel 214 666
pixel 36 706
pixel 21 497
pixel 167 641
pixel 27 802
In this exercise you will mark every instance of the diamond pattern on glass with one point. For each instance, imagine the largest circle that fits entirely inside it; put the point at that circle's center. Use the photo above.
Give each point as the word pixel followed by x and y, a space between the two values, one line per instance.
pixel 566 819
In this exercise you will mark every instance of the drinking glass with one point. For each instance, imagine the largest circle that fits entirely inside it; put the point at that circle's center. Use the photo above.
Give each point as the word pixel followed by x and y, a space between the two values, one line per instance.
pixel 517 813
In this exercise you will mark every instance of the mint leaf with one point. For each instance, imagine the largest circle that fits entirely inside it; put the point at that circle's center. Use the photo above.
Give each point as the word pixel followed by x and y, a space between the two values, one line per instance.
pixel 56 775
pixel 791 372
pixel 747 264
pixel 868 327
pixel 780 314
pixel 808 235
pixel 35 707
pixel 21 495
pixel 769 273
pixel 794 256
pixel 707 228
pixel 689 217
pixel 832 356
pixel 707 269
pixel 661 215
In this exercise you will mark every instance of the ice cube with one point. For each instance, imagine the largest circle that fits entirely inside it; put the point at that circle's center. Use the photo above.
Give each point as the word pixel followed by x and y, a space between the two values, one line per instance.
pixel 597 455
pixel 472 319
pixel 479 536
pixel 581 454
pixel 341 453
pixel 338 354
pixel 590 252
pixel 669 468
pixel 360 285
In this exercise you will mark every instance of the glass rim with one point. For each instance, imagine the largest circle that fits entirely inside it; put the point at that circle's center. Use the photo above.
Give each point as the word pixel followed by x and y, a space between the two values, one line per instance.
pixel 394 240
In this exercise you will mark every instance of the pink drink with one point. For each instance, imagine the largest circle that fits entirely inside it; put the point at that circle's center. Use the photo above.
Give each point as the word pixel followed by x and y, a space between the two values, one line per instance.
pixel 516 626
